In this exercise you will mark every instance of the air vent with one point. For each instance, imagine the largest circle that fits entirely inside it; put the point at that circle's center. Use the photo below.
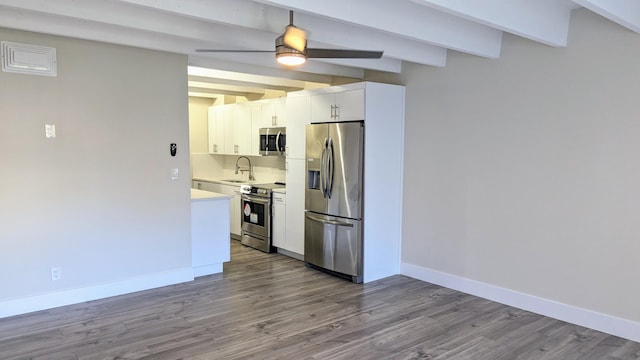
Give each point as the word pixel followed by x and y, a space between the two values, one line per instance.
pixel 29 59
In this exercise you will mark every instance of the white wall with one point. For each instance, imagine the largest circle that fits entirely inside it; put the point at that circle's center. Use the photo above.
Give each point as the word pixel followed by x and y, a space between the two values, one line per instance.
pixel 202 164
pixel 523 173
pixel 97 200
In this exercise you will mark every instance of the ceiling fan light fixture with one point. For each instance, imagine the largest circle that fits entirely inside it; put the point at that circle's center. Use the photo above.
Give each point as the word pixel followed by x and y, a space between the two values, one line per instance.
pixel 291 59
pixel 288 56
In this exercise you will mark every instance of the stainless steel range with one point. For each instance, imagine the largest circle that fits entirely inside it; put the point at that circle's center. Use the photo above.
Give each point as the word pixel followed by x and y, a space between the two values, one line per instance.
pixel 256 201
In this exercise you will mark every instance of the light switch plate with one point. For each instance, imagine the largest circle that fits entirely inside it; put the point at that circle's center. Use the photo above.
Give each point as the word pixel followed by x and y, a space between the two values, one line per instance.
pixel 175 174
pixel 49 131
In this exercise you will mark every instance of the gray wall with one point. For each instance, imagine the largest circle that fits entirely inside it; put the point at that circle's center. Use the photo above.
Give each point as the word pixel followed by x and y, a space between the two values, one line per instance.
pixel 524 172
pixel 97 200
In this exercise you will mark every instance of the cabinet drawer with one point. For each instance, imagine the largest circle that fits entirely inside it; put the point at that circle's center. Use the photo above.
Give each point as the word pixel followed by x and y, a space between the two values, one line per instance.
pixel 279 198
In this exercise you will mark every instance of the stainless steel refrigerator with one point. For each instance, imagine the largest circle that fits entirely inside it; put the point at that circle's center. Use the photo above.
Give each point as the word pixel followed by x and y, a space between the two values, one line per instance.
pixel 333 198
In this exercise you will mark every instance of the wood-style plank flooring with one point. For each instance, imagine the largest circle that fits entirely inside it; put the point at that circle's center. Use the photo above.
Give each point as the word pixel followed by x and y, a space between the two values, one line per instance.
pixel 269 306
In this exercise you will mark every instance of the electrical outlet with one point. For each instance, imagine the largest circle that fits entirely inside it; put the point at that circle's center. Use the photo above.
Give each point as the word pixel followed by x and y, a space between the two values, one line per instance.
pixel 175 174
pixel 56 273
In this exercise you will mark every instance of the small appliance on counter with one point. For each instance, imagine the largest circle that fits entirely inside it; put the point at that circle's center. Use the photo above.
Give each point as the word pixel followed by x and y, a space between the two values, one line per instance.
pixel 256 201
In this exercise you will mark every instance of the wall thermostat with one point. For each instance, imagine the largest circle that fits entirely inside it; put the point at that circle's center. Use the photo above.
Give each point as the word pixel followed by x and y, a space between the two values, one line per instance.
pixel 173 148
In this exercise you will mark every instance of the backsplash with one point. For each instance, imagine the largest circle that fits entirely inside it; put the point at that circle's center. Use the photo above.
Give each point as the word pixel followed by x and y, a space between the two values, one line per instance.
pixel 265 168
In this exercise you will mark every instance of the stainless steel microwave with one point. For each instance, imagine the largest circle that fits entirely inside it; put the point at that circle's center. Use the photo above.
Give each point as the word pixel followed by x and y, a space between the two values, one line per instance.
pixel 273 141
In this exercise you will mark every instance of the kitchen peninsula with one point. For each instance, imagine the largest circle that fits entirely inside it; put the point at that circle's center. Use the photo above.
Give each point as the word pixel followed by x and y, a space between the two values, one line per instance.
pixel 209 231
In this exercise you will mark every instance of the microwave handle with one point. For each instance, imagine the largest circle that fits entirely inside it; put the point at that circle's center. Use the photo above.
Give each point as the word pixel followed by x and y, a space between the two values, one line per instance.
pixel 278 142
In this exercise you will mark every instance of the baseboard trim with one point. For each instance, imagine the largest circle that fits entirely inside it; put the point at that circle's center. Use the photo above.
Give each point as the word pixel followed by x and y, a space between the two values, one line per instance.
pixel 77 295
pixel 207 270
pixel 598 321
pixel 291 254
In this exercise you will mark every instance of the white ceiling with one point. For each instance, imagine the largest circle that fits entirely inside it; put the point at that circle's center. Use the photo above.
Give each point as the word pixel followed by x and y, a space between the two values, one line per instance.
pixel 419 31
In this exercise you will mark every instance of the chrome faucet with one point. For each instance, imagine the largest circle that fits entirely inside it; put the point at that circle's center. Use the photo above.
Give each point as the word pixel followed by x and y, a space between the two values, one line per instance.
pixel 250 170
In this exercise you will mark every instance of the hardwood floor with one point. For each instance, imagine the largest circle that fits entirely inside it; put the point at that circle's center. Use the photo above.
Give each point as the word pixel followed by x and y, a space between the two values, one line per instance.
pixel 269 306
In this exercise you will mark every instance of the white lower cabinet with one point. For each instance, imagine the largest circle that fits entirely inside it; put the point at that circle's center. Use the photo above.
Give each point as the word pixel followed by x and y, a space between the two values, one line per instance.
pixel 278 220
pixel 209 236
pixel 234 209
pixel 295 206
pixel 234 202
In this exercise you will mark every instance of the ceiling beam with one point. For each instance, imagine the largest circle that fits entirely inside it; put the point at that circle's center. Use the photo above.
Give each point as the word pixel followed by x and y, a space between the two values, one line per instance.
pixel 407 19
pixel 203 95
pixel 216 92
pixel 545 21
pixel 383 64
pixel 625 13
pixel 224 87
pixel 270 82
pixel 241 13
pixel 205 62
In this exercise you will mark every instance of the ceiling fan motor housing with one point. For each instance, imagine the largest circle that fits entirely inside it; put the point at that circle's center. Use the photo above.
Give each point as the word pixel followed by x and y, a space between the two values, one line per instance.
pixel 282 48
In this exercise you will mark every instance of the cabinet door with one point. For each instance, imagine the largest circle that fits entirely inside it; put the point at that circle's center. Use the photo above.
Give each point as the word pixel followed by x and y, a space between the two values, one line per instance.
pixel 295 206
pixel 216 130
pixel 278 220
pixel 339 106
pixel 234 207
pixel 299 115
pixel 349 105
pixel 321 107
pixel 230 141
pixel 280 110
pixel 268 113
pixel 234 213
pixel 273 112
pixel 242 128
pixel 256 124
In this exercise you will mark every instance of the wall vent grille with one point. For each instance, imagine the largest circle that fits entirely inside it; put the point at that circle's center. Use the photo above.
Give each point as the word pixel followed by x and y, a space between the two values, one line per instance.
pixel 29 59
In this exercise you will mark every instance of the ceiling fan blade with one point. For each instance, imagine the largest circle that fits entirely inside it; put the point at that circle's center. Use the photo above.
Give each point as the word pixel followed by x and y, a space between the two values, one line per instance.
pixel 343 54
pixel 234 51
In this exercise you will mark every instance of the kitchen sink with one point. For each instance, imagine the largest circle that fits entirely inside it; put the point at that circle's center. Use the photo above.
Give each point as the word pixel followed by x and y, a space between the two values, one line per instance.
pixel 235 181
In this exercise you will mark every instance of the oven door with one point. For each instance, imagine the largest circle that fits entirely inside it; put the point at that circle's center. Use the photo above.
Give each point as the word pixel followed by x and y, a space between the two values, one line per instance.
pixel 256 215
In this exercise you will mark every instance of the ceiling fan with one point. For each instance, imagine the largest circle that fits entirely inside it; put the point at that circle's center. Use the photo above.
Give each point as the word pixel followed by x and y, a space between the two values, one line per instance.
pixel 291 49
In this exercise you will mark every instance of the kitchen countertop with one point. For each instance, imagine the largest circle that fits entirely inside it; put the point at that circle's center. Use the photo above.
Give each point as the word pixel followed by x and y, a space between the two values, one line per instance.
pixel 201 195
pixel 223 181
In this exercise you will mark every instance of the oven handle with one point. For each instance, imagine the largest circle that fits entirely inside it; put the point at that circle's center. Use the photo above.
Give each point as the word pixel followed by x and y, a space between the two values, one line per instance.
pixel 331 222
pixel 256 199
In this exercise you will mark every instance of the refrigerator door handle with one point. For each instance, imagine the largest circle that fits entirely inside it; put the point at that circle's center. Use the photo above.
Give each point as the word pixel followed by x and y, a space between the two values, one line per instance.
pixel 323 180
pixel 330 222
pixel 330 168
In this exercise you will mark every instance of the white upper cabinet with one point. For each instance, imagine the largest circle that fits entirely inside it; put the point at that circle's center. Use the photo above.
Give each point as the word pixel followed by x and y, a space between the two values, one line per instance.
pixel 230 129
pixel 234 128
pixel 256 124
pixel 242 133
pixel 230 141
pixel 216 130
pixel 274 112
pixel 339 106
